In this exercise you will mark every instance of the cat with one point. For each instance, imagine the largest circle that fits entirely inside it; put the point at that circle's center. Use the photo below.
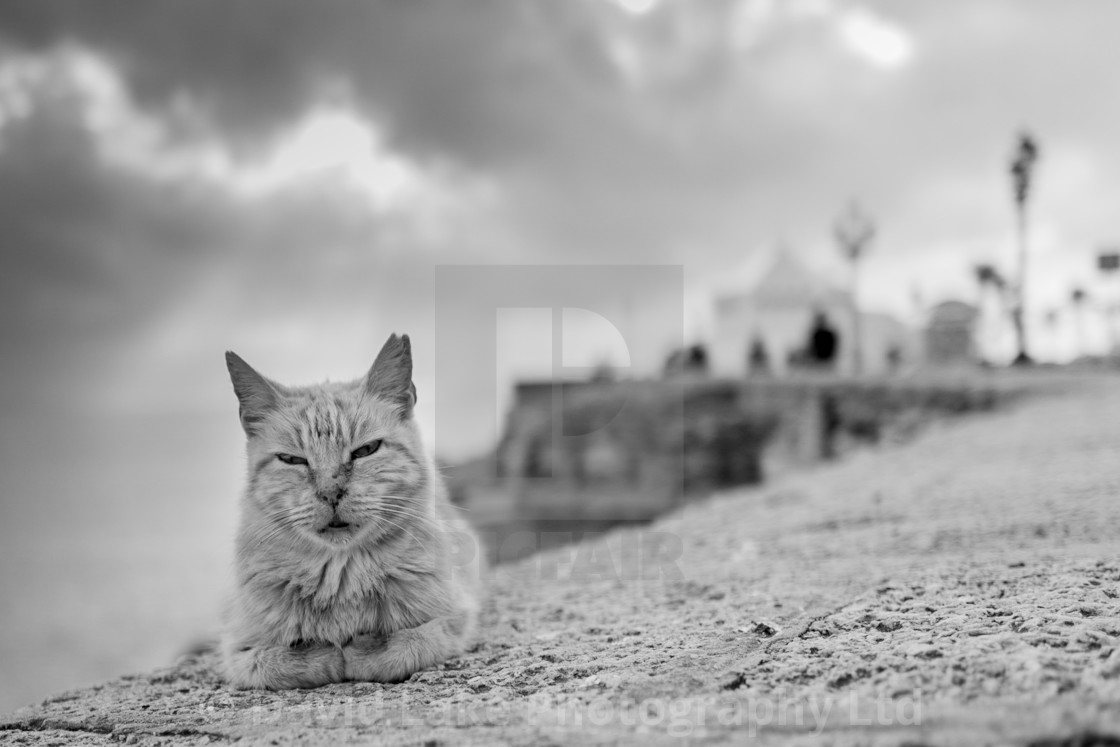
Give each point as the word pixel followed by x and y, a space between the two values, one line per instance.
pixel 351 563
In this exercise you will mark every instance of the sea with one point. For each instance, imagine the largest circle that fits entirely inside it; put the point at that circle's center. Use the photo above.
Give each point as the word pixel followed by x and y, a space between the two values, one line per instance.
pixel 116 537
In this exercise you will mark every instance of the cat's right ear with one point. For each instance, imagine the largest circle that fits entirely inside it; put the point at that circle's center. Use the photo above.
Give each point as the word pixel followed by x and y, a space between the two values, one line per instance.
pixel 257 395
pixel 390 377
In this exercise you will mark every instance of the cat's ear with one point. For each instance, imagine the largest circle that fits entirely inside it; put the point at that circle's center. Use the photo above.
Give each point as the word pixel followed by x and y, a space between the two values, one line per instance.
pixel 390 377
pixel 257 395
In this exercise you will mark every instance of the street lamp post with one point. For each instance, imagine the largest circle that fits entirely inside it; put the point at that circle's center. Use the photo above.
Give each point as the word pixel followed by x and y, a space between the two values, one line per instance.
pixel 854 232
pixel 1021 166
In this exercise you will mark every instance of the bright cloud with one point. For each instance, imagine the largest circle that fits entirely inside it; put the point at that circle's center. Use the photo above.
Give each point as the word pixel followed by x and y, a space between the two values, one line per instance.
pixel 337 142
pixel 330 145
pixel 637 7
pixel 874 38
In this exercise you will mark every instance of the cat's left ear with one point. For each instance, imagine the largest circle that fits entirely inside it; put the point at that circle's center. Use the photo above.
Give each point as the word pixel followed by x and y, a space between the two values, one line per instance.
pixel 390 377
pixel 257 395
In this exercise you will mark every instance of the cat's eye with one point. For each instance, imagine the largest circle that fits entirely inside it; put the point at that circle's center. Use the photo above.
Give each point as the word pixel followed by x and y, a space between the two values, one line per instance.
pixel 291 459
pixel 364 451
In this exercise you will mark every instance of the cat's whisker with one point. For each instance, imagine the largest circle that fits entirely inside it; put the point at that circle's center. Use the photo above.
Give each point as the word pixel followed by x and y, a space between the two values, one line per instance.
pixel 401 528
pixel 417 512
pixel 402 521
pixel 275 532
pixel 431 528
pixel 412 514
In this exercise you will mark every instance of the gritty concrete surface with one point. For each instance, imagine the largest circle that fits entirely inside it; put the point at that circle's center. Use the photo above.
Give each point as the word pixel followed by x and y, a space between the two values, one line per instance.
pixel 960 589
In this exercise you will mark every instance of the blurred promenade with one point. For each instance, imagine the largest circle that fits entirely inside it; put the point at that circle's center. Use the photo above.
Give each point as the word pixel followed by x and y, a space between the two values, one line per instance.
pixel 960 589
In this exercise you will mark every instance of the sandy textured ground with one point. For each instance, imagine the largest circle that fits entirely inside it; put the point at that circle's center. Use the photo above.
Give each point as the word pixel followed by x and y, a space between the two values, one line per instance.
pixel 962 589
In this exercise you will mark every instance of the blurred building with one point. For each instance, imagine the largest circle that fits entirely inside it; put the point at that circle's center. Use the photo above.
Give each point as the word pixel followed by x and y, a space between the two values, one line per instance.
pixel 775 317
pixel 950 334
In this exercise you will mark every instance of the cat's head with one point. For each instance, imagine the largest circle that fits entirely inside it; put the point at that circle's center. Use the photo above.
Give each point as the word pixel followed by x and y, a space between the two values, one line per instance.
pixel 337 463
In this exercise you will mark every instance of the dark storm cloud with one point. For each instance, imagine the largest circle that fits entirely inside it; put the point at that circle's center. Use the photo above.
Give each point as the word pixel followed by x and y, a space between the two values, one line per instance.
pixel 94 255
pixel 524 91
pixel 87 253
pixel 465 79
pixel 73 226
pixel 529 87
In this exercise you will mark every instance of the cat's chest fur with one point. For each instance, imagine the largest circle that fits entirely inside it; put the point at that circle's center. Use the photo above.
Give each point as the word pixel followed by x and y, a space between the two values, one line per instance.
pixel 333 597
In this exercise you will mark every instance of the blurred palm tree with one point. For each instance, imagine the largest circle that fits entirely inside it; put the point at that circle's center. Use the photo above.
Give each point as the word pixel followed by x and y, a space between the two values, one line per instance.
pixel 1052 318
pixel 987 276
pixel 1021 168
pixel 1077 298
pixel 854 231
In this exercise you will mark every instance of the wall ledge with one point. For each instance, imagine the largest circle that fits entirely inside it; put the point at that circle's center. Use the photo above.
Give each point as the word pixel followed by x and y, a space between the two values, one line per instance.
pixel 960 588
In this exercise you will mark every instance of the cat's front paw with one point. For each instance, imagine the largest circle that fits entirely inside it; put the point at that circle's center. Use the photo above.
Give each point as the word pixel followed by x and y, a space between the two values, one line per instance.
pixel 299 664
pixel 364 644
pixel 370 657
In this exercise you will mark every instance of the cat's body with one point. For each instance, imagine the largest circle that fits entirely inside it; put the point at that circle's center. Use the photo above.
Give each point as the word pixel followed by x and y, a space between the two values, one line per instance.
pixel 351 564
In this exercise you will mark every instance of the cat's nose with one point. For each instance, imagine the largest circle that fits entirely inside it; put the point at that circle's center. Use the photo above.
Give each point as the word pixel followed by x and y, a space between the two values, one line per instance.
pixel 332 496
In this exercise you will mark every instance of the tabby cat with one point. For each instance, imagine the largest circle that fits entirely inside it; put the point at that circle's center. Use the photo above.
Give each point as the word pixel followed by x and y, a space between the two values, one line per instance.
pixel 351 564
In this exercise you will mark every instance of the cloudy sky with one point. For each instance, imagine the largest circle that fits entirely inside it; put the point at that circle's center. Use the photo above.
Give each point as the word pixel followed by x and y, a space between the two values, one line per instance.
pixel 282 177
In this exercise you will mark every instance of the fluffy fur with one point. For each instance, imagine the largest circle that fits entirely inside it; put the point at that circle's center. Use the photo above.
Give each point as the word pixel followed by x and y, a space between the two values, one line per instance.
pixel 351 564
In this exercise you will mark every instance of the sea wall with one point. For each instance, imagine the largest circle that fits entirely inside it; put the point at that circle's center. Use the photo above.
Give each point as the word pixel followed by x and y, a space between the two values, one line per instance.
pixel 631 450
